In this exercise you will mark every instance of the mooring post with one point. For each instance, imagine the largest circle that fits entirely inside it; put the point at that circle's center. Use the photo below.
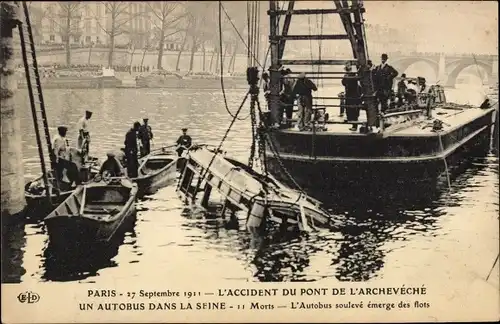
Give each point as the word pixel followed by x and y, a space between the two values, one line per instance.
pixel 12 176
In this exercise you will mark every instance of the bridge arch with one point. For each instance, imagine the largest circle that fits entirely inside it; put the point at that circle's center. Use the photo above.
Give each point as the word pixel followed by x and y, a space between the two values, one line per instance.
pixel 402 64
pixel 462 65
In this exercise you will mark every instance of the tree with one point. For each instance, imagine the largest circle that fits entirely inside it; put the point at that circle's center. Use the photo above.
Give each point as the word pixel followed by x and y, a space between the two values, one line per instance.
pixel 67 16
pixel 118 17
pixel 166 15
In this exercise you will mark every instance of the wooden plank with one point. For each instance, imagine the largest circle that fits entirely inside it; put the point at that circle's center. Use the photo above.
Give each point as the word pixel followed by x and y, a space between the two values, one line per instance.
pixel 309 11
pixel 311 37
pixel 317 62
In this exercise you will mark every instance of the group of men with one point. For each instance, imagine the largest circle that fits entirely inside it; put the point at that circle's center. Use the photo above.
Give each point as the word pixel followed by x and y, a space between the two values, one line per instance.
pixel 301 89
pixel 382 77
pixel 62 154
pixel 292 89
pixel 137 144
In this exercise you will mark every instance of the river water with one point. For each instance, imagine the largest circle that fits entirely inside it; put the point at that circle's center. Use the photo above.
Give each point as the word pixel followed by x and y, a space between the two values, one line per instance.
pixel 459 226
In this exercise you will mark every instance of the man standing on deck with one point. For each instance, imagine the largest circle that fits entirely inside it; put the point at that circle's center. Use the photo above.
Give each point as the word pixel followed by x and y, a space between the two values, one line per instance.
pixel 286 95
pixel 352 96
pixel 401 89
pixel 62 157
pixel 183 142
pixel 385 75
pixel 83 134
pixel 145 135
pixel 303 88
pixel 131 150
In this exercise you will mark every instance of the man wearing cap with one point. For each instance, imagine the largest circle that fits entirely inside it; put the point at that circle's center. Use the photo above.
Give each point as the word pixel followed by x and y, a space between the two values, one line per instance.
pixel 83 134
pixel 111 166
pixel 145 135
pixel 131 150
pixel 183 142
pixel 385 75
pixel 61 153
pixel 303 88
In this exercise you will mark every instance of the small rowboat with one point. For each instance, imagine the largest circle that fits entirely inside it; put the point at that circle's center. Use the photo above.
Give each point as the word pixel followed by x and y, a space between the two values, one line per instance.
pixel 35 192
pixel 157 170
pixel 93 212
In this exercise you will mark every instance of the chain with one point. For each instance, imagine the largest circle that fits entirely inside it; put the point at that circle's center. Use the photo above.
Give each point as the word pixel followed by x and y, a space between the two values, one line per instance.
pixel 262 144
pixel 254 130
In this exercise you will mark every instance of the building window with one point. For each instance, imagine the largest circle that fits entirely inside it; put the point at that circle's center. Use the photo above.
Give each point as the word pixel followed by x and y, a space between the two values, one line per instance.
pixel 87 26
pixel 52 38
pixel 97 40
pixel 76 39
pixel 87 39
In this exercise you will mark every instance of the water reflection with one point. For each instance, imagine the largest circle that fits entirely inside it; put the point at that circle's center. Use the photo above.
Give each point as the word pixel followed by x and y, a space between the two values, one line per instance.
pixel 13 245
pixel 77 262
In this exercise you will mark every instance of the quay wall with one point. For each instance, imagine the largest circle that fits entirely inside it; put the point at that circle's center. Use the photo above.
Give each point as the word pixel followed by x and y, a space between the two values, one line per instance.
pixel 123 57
pixel 12 173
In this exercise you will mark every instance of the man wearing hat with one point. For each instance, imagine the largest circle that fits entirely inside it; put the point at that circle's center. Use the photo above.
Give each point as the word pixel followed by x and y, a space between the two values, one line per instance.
pixel 352 96
pixel 111 166
pixel 385 75
pixel 61 153
pixel 145 135
pixel 83 134
pixel 131 150
pixel 183 142
pixel 303 88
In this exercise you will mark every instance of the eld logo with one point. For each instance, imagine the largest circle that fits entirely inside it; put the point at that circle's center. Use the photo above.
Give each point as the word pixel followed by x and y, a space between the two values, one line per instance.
pixel 28 297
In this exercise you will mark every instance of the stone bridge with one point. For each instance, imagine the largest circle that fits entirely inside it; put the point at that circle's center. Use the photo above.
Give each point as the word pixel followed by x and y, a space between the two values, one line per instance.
pixel 447 67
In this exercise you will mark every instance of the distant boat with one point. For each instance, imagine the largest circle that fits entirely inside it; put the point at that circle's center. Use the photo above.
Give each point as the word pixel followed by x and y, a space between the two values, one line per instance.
pixel 93 212
pixel 157 170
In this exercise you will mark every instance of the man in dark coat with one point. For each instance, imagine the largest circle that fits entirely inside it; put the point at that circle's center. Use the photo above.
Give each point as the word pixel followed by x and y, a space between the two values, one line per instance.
pixel 303 88
pixel 401 89
pixel 131 150
pixel 145 135
pixel 385 75
pixel 352 96
pixel 183 142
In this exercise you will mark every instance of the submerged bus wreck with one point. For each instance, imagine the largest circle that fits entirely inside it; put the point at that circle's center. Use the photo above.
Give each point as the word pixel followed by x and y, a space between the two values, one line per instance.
pixel 263 198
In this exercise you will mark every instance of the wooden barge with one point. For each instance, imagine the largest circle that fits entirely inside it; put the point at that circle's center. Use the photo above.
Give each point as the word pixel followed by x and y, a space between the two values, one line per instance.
pixel 415 143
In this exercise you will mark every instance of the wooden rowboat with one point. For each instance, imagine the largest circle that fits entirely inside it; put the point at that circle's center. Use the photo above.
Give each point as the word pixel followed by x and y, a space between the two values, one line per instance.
pixel 156 170
pixel 93 212
pixel 35 192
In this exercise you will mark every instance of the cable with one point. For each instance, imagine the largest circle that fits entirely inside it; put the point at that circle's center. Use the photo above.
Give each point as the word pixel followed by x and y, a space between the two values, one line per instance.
pixel 237 32
pixel 222 67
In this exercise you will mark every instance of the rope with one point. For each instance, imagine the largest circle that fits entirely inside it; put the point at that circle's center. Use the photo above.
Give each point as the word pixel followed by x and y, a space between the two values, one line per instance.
pixel 237 32
pixel 444 160
pixel 222 67
pixel 202 177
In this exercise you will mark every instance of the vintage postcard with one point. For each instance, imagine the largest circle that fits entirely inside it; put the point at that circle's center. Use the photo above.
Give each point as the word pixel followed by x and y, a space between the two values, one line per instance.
pixel 249 161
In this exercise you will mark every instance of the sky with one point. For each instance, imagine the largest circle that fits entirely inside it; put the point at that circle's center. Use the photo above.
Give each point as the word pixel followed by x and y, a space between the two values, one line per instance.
pixel 437 26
